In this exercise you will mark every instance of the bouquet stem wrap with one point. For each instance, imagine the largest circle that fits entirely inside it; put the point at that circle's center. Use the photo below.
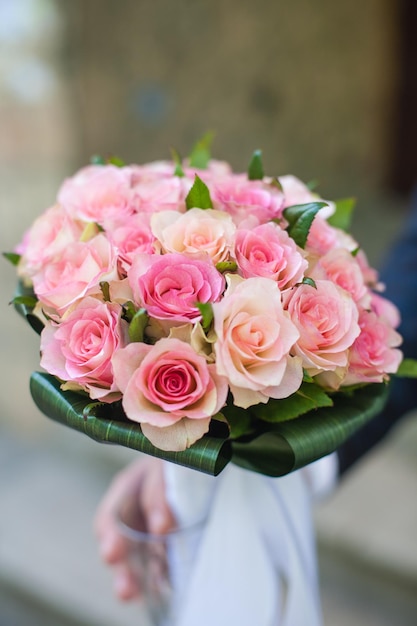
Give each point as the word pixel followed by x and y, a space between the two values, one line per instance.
pixel 209 455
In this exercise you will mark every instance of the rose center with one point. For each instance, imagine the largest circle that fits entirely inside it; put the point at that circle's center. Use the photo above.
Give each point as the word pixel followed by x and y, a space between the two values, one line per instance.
pixel 173 381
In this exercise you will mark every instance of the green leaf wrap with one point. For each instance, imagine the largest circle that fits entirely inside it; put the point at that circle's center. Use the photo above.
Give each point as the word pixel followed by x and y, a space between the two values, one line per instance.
pixel 291 445
pixel 209 455
pixel 279 449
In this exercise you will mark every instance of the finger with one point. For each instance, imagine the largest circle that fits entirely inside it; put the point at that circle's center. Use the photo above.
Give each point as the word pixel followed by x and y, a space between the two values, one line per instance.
pixel 125 584
pixel 112 547
pixel 105 521
pixel 123 483
pixel 157 511
pixel 160 519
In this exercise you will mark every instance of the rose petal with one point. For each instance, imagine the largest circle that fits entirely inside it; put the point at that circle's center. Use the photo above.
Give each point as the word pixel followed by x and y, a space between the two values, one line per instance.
pixel 177 437
pixel 126 361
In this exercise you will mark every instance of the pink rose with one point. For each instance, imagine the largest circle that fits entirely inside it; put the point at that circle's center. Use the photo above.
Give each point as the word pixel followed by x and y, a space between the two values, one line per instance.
pixel 79 348
pixel 195 232
pixel 254 339
pixel 215 170
pixel 385 309
pixel 151 172
pixel 269 251
pixel 297 192
pixel 162 194
pixel 165 384
pixel 323 237
pixel 156 170
pixel 341 267
pixel 132 238
pixel 48 236
pixel 244 199
pixel 374 353
pixel 327 320
pixel 75 273
pixel 370 274
pixel 98 193
pixel 170 286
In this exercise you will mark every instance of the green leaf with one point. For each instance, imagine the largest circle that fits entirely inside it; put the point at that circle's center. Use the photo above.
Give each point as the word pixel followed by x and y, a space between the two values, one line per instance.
pixel 27 301
pixel 309 281
pixel 96 159
pixel 206 311
pixel 239 420
pixel 108 424
pixel 275 182
pixel 129 311
pixel 285 447
pixel 178 163
pixel 115 160
pixel 342 217
pixel 307 398
pixel 255 169
pixel 407 369
pixel 178 171
pixel 299 218
pixel 200 154
pixel 137 325
pixel 12 257
pixel 226 266
pixel 198 196
pixel 307 378
pixel 312 184
pixel 24 301
pixel 105 290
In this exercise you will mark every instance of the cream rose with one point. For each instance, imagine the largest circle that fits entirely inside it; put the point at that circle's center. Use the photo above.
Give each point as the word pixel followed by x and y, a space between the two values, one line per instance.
pixel 195 232
pixel 254 339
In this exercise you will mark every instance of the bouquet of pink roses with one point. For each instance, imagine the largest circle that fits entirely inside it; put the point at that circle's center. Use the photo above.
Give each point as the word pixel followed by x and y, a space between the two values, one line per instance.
pixel 189 311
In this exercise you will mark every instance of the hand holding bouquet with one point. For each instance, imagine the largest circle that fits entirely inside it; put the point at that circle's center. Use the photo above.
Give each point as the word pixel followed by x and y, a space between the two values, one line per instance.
pixel 185 298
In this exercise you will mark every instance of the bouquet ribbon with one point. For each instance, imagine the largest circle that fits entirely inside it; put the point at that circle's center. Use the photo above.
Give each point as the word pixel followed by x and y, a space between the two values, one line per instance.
pixel 256 563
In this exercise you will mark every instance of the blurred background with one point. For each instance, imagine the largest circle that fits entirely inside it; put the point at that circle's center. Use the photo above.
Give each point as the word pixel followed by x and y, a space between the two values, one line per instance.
pixel 328 91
